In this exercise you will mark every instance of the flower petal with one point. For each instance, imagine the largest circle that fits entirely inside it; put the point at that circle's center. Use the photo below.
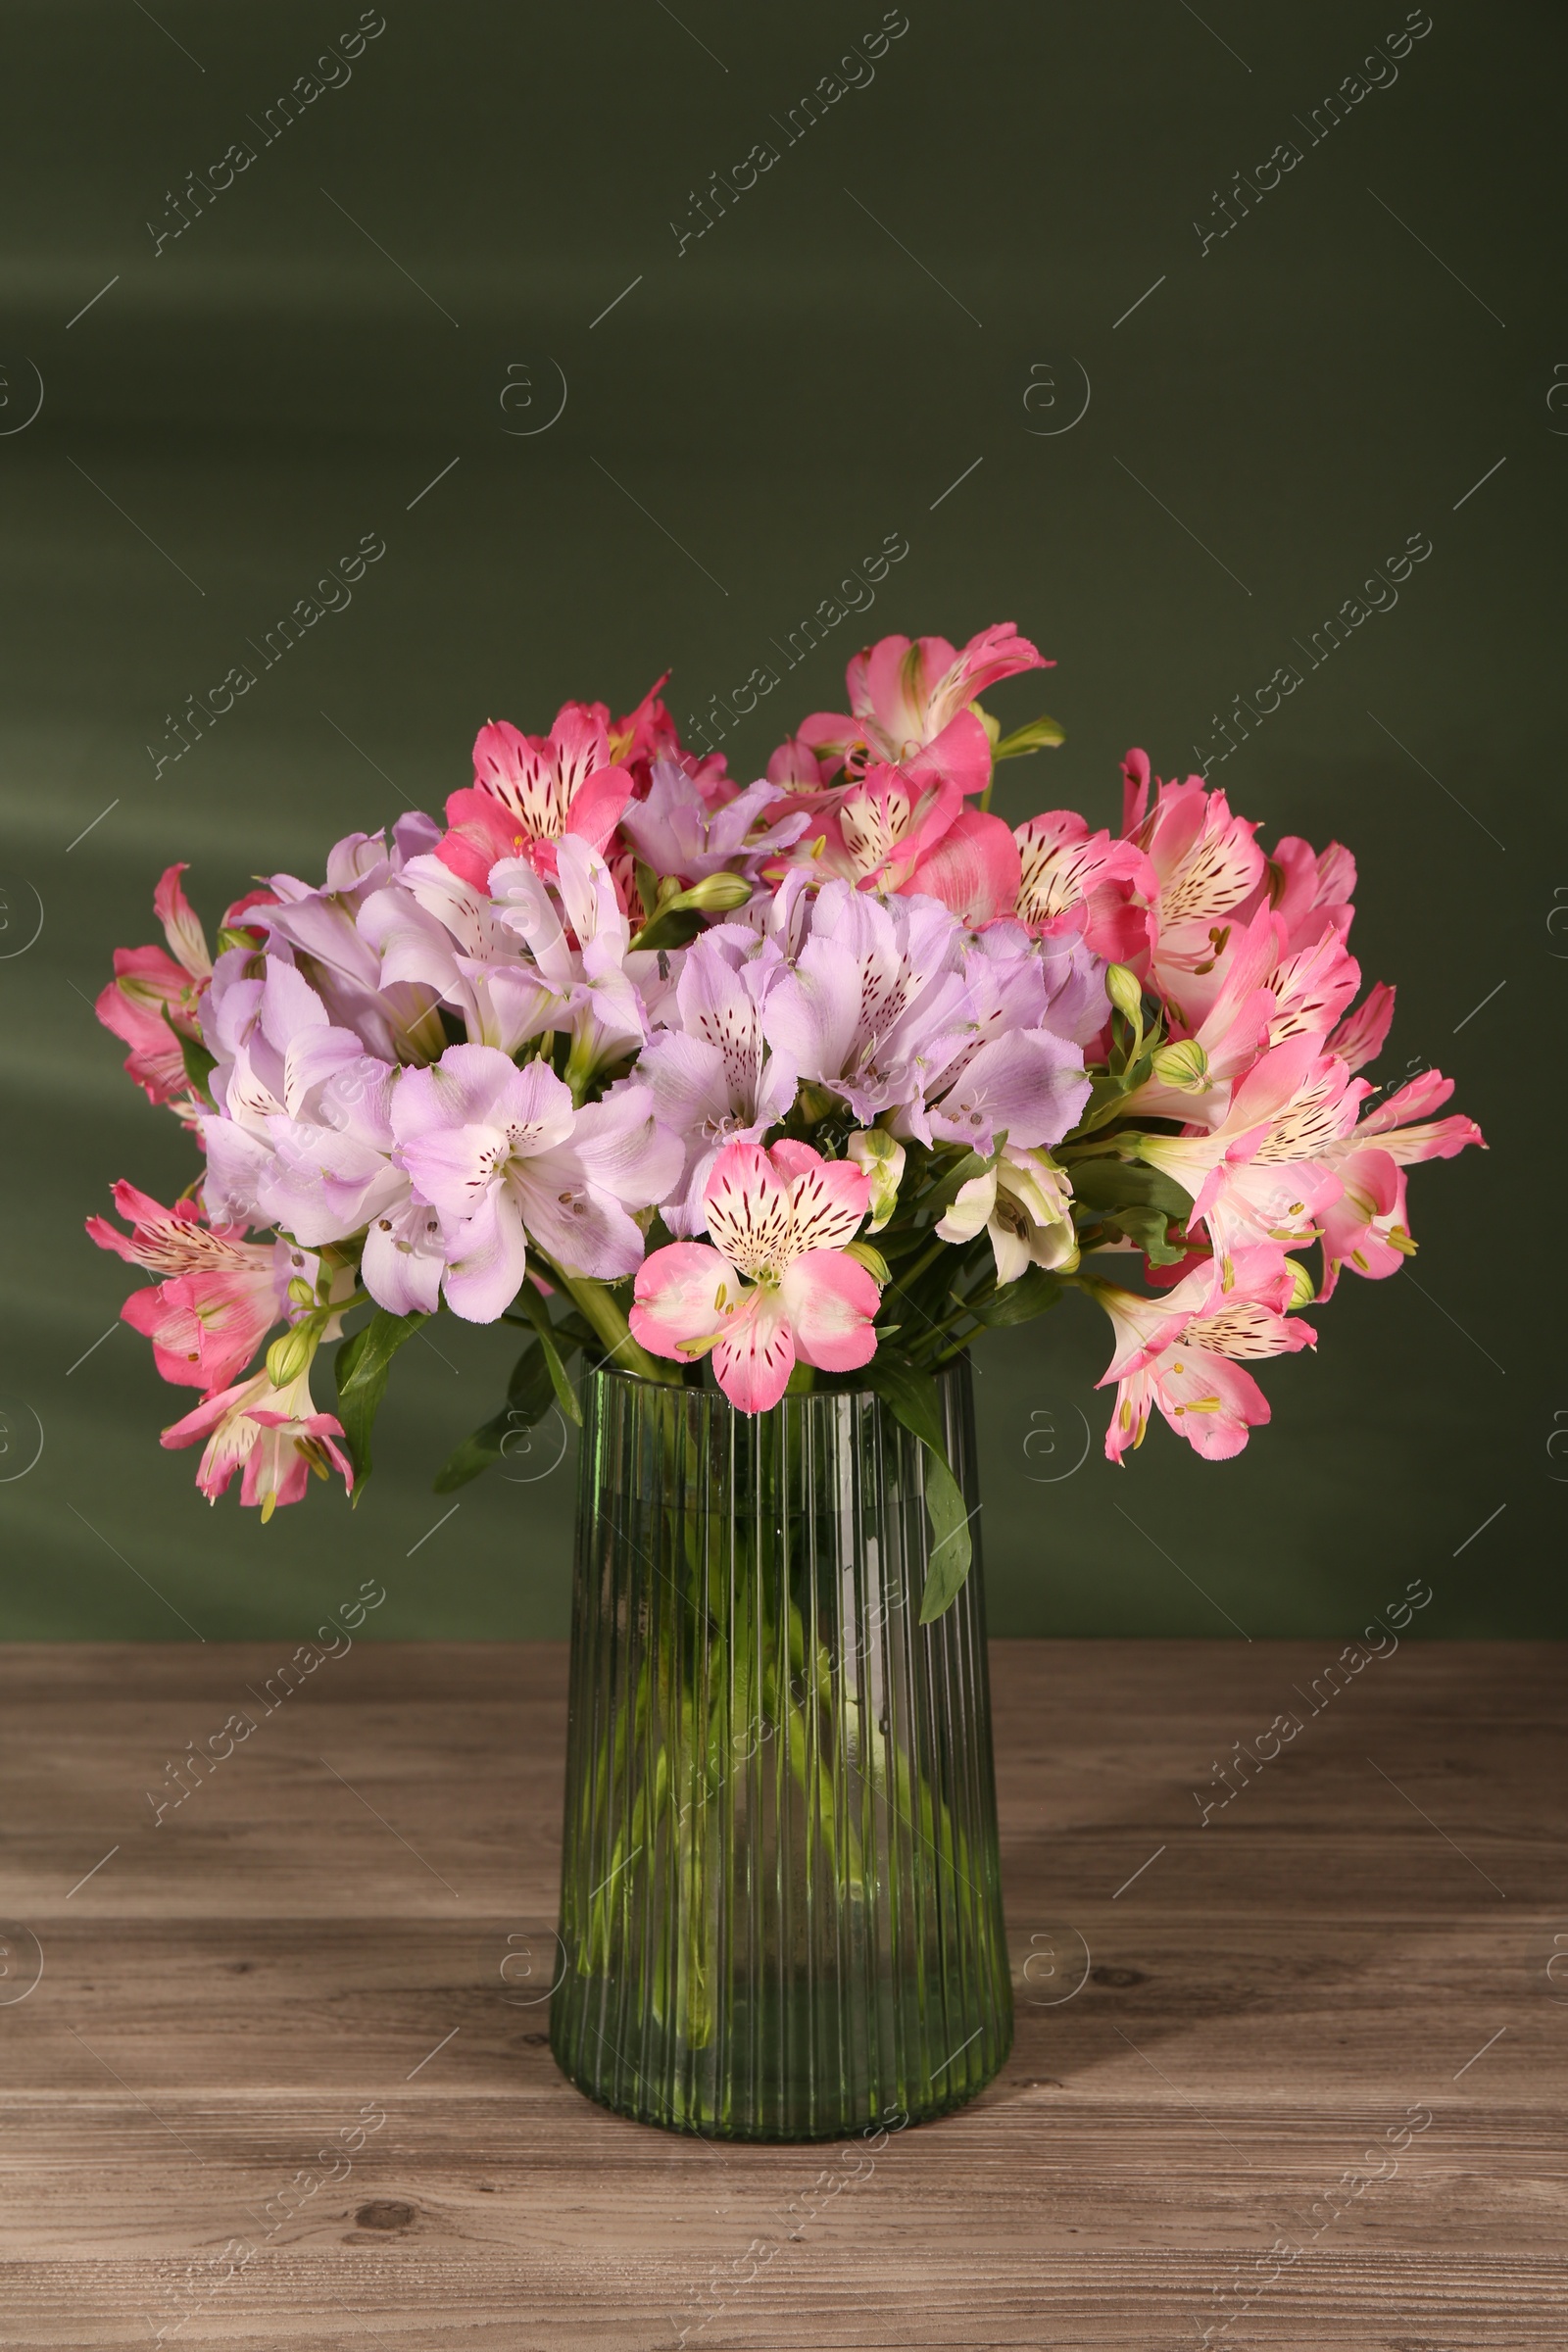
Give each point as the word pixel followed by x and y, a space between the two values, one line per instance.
pixel 683 1293
pixel 831 1303
pixel 487 1257
pixel 754 1361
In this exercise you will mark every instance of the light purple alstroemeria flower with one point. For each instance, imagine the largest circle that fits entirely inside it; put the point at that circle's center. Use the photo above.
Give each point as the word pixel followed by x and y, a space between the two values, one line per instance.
pixel 430 928
pixel 319 929
pixel 877 1003
pixel 304 1138
pixel 276 1049
pixel 598 978
pixel 676 832
pixel 1020 1070
pixel 711 1076
pixel 501 1154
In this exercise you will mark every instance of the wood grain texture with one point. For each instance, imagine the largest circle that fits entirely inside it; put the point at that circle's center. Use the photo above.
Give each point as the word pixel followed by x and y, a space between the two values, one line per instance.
pixel 340 1923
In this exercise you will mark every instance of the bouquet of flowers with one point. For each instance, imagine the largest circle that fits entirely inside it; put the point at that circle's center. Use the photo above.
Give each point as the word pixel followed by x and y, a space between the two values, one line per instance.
pixel 800 1083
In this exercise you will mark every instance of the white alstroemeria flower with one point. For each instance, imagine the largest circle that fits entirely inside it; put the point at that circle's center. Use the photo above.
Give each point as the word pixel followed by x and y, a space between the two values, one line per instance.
pixel 1025 1203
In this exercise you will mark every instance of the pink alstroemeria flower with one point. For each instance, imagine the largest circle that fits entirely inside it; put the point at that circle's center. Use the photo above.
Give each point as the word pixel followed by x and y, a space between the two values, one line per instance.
pixel 648 733
pixel 274 1433
pixel 1362 1034
pixel 1311 890
pixel 501 1154
pixel 909 705
pixel 1104 886
pixel 973 868
pixel 148 982
pixel 1367 1228
pixel 1265 1172
pixel 1208 867
pixel 1179 1351
pixel 529 790
pixel 777 1286
pixel 223 1294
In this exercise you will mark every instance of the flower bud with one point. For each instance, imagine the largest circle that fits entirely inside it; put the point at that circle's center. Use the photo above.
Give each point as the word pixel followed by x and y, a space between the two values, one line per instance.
pixel 717 894
pixel 1301 1291
pixel 289 1357
pixel 1184 1066
pixel 301 1293
pixel 881 1156
pixel 875 1264
pixel 1125 992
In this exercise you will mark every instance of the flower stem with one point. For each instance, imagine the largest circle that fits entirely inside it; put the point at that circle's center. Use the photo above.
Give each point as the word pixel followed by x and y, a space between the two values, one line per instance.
pixel 594 1303
pixel 905 1276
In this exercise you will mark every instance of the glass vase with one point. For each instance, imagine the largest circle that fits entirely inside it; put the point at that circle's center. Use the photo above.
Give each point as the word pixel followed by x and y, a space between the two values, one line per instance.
pixel 781 1909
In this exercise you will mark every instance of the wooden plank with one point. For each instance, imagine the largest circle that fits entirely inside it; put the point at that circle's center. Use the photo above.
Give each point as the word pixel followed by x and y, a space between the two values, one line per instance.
pixel 1216 2021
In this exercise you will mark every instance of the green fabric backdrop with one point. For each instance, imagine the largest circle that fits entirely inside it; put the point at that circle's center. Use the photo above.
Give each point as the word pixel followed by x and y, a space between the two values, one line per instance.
pixel 989 219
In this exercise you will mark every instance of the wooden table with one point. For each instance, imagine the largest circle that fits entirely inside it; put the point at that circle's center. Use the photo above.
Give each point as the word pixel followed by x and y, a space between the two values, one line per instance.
pixel 349 1920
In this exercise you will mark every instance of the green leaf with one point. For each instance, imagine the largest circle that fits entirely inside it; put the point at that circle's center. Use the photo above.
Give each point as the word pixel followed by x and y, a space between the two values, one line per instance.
pixel 1019 1302
pixel 530 1392
pixel 1146 1227
pixel 944 1192
pixel 912 1396
pixel 1109 1089
pixel 1036 736
pixel 1113 1184
pixel 362 1367
pixel 952 1549
pixel 538 1314
pixel 671 927
pixel 199 1063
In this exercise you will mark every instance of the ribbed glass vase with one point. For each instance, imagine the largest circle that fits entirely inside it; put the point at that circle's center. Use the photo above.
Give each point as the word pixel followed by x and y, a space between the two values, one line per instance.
pixel 781 1910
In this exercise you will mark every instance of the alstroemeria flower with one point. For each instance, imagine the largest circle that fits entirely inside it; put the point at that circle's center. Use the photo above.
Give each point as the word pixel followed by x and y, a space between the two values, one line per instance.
pixel 1179 1351
pixel 876 1004
pixel 529 790
pixel 713 1079
pixel 576 932
pixel 1025 1203
pixel 221 1293
pixel 648 734
pixel 882 824
pixel 1310 889
pixel 776 1287
pixel 432 929
pixel 1367 1228
pixel 1017 1067
pixel 1363 1033
pixel 973 868
pixel 149 983
pixel 1208 866
pixel 1231 1038
pixel 1265 1172
pixel 501 1154
pixel 1311 985
pixel 275 1051
pixel 1106 887
pixel 909 705
pixel 324 935
pixel 275 1434
pixel 684 836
